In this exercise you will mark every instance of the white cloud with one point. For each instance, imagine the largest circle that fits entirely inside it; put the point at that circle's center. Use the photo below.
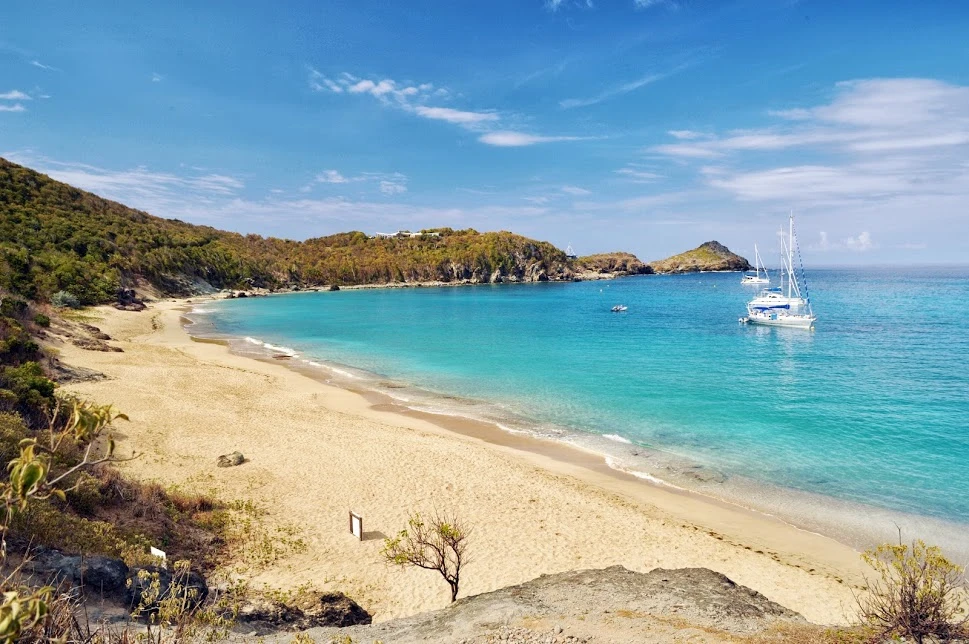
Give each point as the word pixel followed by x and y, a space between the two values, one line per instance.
pixel 553 5
pixel 412 98
pixel 14 95
pixel 639 176
pixel 860 243
pixel 392 187
pixel 876 115
pixel 17 107
pixel 455 116
pixel 508 139
pixel 331 176
pixel 575 190
pixel 37 63
pixel 157 78
pixel 685 135
pixel 617 91
pixel 646 4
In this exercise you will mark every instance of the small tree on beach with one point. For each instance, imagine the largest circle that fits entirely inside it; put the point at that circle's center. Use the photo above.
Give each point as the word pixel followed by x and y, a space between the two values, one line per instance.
pixel 916 593
pixel 437 544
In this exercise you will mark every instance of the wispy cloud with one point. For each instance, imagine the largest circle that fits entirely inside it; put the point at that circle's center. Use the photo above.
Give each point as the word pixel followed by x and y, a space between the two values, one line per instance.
pixel 555 5
pixel 410 97
pixel 157 78
pixel 14 95
pixel 576 191
pixel 455 116
pixel 611 93
pixel 37 63
pixel 414 98
pixel 392 187
pixel 508 139
pixel 685 135
pixel 639 176
pixel 16 107
pixel 331 176
pixel 646 4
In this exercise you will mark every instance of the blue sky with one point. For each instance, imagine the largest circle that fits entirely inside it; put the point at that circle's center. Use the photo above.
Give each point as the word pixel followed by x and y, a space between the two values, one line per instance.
pixel 642 125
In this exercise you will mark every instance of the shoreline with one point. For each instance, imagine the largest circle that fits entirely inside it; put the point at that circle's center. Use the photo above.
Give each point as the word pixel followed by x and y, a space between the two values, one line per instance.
pixel 852 523
pixel 805 571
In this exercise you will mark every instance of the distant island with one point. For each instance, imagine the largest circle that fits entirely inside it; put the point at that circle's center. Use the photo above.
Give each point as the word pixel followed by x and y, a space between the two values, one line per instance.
pixel 55 238
pixel 709 256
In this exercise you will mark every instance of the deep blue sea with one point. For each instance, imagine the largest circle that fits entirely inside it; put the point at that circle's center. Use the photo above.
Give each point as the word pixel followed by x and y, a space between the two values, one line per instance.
pixel 846 429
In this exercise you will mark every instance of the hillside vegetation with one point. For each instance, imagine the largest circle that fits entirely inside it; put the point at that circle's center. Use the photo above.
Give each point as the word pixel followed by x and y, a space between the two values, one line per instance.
pixel 709 256
pixel 55 237
pixel 617 264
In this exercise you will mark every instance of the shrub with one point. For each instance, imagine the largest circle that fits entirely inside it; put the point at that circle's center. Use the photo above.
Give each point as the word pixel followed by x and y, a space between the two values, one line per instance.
pixel 65 300
pixel 41 320
pixel 916 593
pixel 11 307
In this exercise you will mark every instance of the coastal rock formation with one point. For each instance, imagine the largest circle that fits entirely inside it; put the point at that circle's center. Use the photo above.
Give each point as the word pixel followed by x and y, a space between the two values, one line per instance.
pixel 334 609
pixel 98 574
pixel 710 256
pixel 583 605
pixel 609 265
pixel 231 460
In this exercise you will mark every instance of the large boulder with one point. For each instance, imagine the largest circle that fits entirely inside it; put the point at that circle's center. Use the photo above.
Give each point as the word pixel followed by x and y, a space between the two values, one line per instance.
pixel 150 585
pixel 333 609
pixel 336 609
pixel 103 574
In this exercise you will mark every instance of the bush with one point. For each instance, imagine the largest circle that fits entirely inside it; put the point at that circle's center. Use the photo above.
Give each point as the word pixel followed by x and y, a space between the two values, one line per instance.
pixel 41 320
pixel 917 593
pixel 13 308
pixel 65 300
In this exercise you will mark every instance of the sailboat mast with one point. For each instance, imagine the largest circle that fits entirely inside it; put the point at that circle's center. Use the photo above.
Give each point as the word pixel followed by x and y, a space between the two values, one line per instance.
pixel 790 257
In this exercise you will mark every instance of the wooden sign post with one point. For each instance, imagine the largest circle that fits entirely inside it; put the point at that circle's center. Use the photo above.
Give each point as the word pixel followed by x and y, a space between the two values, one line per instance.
pixel 356 526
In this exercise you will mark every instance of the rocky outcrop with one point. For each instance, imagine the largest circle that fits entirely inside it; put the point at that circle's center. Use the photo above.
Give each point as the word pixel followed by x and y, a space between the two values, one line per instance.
pixel 332 609
pixel 97 574
pixel 609 605
pixel 710 256
pixel 609 265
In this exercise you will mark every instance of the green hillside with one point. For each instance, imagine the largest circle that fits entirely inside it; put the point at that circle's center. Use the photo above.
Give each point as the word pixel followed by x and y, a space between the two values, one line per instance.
pixel 709 256
pixel 54 237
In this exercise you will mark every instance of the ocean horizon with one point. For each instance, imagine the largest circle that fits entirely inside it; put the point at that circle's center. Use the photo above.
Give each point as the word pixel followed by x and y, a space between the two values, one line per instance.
pixel 847 430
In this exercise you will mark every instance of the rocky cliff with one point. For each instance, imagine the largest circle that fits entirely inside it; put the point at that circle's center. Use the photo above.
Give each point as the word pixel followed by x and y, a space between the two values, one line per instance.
pixel 711 256
pixel 600 606
pixel 609 265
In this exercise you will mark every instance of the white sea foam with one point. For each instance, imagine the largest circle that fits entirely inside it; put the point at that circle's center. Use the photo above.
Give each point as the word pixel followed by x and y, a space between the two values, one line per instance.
pixel 253 341
pixel 614 464
pixel 617 438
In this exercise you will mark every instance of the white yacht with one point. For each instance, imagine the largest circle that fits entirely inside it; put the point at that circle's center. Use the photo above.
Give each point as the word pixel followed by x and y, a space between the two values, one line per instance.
pixel 756 278
pixel 777 307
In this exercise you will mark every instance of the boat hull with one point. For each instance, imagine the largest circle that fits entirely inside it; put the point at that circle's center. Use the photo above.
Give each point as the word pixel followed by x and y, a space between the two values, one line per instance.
pixel 791 321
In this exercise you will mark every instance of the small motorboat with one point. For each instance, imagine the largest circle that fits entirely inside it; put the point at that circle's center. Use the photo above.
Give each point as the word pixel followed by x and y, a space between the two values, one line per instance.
pixel 619 308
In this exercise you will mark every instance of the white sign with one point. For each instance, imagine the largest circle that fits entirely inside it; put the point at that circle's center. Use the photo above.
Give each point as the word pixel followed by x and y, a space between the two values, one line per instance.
pixel 155 552
pixel 356 526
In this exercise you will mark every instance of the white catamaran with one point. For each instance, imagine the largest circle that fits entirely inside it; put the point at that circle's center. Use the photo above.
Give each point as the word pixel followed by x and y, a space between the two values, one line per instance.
pixel 756 278
pixel 774 306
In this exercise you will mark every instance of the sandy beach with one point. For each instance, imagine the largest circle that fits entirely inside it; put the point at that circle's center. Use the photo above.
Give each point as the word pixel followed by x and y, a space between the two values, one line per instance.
pixel 315 451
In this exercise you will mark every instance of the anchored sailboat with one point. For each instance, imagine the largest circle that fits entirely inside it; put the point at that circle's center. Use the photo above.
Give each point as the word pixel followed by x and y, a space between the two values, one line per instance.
pixel 774 306
pixel 756 278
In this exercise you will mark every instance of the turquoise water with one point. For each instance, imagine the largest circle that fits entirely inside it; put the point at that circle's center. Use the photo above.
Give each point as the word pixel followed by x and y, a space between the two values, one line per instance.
pixel 871 408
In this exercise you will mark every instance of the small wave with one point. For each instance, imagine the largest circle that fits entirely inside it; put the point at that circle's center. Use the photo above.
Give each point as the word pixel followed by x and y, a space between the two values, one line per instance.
pixel 614 464
pixel 617 438
pixel 253 341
